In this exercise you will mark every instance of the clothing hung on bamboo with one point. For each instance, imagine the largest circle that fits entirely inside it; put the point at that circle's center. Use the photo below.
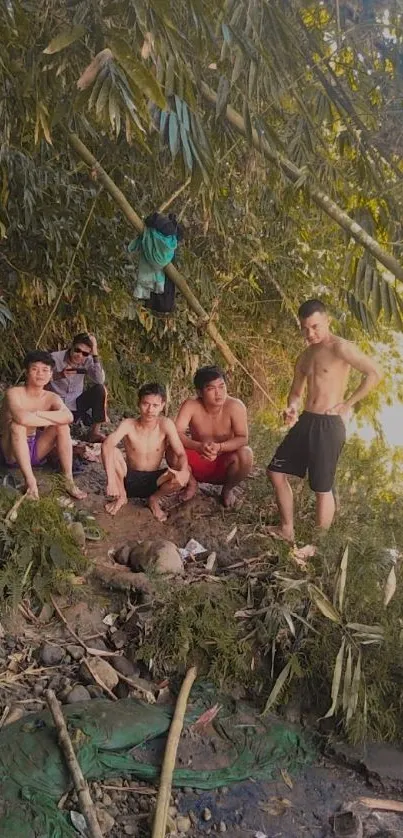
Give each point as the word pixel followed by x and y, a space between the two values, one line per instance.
pixel 156 245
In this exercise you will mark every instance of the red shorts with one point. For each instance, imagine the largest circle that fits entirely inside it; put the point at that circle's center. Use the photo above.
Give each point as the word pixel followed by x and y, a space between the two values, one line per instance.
pixel 208 471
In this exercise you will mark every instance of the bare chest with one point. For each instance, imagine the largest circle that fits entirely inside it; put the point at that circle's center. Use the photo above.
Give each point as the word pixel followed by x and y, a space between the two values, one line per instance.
pixel 324 365
pixel 206 426
pixel 148 442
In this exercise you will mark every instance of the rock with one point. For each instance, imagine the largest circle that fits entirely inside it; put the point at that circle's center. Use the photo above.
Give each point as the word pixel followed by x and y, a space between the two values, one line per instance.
pixel 183 823
pixel 119 639
pixel 107 800
pixel 157 555
pixel 95 691
pixel 77 693
pixel 130 828
pixel 77 530
pixel 122 690
pixel 172 811
pixel 75 652
pixel 105 820
pixel 222 826
pixel 104 670
pixel 54 683
pixel 46 613
pixel 206 815
pixel 125 667
pixel 38 689
pixel 122 555
pixel 50 654
pixel 98 643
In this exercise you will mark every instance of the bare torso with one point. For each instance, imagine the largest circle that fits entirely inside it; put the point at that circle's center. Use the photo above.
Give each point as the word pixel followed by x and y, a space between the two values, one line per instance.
pixel 327 375
pixel 42 401
pixel 213 427
pixel 144 446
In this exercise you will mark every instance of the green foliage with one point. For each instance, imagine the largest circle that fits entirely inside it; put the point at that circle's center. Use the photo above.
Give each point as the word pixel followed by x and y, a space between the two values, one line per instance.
pixel 38 554
pixel 196 625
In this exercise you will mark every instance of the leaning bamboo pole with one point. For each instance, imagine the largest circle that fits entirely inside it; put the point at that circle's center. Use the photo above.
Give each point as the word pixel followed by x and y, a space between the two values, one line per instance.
pixel 137 223
pixel 294 174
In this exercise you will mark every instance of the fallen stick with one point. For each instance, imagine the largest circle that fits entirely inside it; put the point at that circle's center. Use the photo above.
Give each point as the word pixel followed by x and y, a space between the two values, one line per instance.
pixel 139 789
pixel 386 805
pixel 168 765
pixel 12 513
pixel 90 651
pixel 84 797
pixel 100 682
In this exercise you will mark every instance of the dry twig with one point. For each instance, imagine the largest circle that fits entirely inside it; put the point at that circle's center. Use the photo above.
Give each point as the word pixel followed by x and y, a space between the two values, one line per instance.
pixel 80 785
pixel 164 791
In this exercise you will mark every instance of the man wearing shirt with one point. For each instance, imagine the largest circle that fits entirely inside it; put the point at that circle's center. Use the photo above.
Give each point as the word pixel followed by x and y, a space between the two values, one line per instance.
pixel 72 366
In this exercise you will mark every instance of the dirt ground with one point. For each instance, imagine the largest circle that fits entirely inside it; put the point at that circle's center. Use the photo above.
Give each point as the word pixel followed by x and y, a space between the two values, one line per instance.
pixel 284 808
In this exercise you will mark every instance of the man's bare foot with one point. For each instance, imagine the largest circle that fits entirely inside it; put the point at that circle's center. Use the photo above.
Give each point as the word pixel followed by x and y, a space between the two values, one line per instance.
pixel 230 499
pixel 74 491
pixel 96 437
pixel 190 490
pixel 113 506
pixel 158 513
pixel 281 534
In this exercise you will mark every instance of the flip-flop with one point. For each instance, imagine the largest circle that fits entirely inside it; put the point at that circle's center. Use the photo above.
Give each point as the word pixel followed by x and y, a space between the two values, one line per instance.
pixel 10 482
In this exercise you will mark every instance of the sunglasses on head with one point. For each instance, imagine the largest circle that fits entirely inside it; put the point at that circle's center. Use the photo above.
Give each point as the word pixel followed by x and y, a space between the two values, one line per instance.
pixel 81 352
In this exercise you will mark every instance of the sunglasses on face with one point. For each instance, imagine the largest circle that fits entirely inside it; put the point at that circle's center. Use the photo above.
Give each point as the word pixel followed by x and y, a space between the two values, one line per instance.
pixel 81 352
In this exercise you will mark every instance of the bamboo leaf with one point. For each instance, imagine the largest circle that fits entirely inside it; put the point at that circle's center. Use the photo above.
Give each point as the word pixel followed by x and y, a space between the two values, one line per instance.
pixel 343 577
pixel 386 307
pixel 247 121
pixel 170 76
pixel 355 688
pixel 365 290
pixel 347 679
pixel 390 587
pixel 289 621
pixel 323 604
pixel 278 686
pixel 338 667
pixel 187 154
pixel 359 275
pixel 142 77
pixel 64 39
pixel 103 96
pixel 222 96
pixel 376 295
pixel 361 627
pixel 173 134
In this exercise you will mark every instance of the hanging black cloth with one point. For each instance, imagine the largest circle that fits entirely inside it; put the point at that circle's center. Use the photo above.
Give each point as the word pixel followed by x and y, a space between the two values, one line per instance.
pixel 168 226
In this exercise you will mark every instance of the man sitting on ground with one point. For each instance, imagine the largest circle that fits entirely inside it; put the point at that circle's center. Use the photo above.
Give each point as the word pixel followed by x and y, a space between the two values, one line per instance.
pixel 33 421
pixel 72 366
pixel 217 448
pixel 317 436
pixel 145 440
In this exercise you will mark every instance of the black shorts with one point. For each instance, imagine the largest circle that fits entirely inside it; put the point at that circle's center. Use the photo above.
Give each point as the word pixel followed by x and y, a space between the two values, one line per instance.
pixel 142 484
pixel 314 444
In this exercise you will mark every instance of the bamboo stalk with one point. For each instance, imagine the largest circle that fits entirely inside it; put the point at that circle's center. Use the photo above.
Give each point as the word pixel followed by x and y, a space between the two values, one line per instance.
pixel 137 223
pixel 164 791
pixel 86 805
pixel 293 173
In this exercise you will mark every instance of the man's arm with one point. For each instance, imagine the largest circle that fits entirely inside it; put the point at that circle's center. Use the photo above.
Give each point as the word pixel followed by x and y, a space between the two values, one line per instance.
pixel 173 439
pixel 371 374
pixel 296 392
pixel 94 368
pixel 59 414
pixel 239 422
pixel 182 423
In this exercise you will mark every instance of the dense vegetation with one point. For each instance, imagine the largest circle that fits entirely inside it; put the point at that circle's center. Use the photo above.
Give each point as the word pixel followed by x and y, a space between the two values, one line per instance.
pixel 320 83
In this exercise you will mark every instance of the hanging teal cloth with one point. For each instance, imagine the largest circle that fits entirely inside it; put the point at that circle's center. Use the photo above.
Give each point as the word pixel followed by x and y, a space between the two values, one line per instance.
pixel 156 251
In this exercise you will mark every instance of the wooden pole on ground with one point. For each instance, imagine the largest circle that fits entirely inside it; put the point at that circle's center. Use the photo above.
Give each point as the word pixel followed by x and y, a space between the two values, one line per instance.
pixel 84 798
pixel 294 174
pixel 168 765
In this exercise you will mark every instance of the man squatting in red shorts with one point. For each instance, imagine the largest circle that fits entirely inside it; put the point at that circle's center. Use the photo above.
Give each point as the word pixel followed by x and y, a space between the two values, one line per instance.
pixel 214 430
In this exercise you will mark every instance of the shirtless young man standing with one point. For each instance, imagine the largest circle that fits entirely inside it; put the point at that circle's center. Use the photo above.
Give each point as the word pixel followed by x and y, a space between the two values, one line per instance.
pixel 33 421
pixel 316 438
pixel 217 448
pixel 145 440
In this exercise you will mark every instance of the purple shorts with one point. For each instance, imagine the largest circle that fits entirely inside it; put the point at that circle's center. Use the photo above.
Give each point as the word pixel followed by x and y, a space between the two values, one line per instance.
pixel 32 444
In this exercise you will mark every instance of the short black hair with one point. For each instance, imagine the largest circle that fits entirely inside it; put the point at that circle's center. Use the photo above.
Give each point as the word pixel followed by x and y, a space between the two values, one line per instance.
pixel 205 375
pixel 38 356
pixel 153 389
pixel 311 307
pixel 83 337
